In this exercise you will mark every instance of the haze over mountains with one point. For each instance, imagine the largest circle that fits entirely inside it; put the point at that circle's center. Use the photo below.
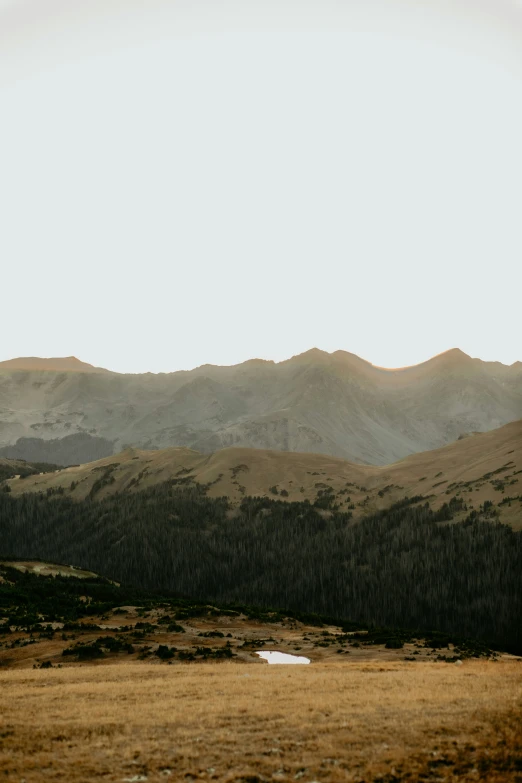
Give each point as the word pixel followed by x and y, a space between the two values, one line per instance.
pixel 65 411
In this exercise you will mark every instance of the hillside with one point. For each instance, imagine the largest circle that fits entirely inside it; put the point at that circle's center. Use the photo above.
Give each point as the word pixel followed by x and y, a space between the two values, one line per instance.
pixel 480 468
pixel 15 468
pixel 335 404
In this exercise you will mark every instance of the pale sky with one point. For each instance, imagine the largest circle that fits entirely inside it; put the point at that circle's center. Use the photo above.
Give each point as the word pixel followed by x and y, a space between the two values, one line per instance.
pixel 184 182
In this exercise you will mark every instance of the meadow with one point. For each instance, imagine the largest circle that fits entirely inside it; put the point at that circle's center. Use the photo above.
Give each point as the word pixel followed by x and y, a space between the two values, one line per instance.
pixel 331 721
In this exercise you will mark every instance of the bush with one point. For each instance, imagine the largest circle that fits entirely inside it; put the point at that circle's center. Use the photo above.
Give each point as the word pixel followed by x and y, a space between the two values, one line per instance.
pixel 113 644
pixel 175 628
pixel 85 652
pixel 164 652
pixel 394 644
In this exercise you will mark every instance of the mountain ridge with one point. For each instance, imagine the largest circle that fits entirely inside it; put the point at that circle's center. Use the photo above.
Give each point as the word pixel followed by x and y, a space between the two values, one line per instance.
pixel 73 364
pixel 337 404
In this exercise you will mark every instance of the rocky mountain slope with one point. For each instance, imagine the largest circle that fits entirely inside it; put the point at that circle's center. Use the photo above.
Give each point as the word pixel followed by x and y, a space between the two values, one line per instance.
pixel 480 469
pixel 68 412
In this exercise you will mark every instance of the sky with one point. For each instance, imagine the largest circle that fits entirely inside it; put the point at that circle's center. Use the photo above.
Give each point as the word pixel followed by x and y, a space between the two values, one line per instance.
pixel 211 181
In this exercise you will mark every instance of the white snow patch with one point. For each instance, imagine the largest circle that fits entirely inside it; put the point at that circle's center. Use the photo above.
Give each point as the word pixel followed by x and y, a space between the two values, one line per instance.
pixel 272 656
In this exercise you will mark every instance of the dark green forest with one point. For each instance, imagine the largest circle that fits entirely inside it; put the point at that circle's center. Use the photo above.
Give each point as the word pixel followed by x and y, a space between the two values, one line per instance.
pixel 21 468
pixel 406 567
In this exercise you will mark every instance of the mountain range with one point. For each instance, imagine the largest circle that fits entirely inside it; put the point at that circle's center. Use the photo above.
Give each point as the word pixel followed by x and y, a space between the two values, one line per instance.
pixel 65 411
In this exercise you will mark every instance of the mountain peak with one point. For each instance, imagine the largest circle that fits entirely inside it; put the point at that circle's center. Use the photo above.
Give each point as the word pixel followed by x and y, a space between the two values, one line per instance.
pixel 314 354
pixel 452 356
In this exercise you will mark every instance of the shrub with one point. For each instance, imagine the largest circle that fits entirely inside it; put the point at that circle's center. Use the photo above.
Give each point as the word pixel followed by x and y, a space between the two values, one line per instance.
pixel 85 652
pixel 175 627
pixel 394 644
pixel 165 653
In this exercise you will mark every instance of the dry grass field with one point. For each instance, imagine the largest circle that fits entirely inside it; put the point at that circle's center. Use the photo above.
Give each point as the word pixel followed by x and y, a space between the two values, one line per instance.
pixel 342 721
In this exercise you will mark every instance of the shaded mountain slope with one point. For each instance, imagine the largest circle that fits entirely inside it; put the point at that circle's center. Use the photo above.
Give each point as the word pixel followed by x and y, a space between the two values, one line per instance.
pixel 70 450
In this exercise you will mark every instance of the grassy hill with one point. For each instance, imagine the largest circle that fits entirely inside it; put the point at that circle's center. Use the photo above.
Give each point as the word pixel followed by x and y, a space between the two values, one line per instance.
pixel 481 468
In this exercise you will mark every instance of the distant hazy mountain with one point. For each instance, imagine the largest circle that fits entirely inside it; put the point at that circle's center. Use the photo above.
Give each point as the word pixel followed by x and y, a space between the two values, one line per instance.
pixel 335 404
pixel 59 364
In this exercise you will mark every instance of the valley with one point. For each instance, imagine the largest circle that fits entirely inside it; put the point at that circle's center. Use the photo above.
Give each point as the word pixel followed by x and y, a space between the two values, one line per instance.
pixel 138 590
pixel 365 520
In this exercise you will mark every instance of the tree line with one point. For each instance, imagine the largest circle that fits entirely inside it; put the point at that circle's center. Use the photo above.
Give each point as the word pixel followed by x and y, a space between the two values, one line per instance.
pixel 406 567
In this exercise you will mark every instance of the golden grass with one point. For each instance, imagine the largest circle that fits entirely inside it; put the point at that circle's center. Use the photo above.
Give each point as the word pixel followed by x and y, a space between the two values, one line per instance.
pixel 324 722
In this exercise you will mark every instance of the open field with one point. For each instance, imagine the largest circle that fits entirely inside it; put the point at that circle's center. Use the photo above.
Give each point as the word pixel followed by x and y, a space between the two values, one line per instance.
pixel 324 722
